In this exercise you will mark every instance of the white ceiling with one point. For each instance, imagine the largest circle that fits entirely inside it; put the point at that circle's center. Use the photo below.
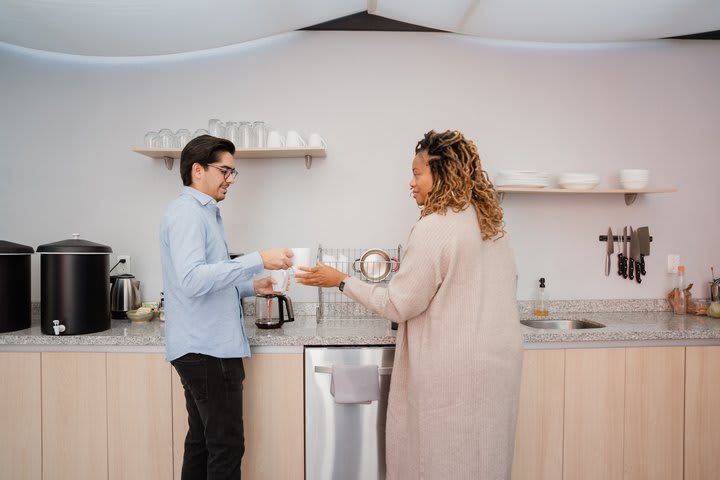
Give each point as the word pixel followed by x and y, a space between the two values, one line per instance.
pixel 159 27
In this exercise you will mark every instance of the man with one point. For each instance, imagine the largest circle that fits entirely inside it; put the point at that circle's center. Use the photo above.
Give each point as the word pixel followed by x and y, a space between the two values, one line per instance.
pixel 204 330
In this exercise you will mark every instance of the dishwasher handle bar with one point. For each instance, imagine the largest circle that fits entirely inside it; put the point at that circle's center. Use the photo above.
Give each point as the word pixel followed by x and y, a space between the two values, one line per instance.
pixel 381 370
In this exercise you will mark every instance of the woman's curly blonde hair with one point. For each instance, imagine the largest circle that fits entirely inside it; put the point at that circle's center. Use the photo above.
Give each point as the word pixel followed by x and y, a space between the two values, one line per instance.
pixel 459 180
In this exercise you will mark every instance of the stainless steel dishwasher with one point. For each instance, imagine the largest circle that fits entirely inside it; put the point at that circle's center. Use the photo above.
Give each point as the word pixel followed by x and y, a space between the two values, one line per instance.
pixel 344 441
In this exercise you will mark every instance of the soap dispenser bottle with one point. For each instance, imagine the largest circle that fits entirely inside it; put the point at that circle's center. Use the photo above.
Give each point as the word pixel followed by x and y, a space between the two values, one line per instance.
pixel 541 308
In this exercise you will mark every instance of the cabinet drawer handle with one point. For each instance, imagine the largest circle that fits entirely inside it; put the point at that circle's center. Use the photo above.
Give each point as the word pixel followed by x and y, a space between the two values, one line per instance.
pixel 381 370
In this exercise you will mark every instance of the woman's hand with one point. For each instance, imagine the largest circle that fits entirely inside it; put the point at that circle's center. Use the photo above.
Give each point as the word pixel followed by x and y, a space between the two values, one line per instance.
pixel 320 276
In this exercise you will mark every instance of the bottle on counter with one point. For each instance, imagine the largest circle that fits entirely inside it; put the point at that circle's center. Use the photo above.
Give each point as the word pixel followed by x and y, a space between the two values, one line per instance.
pixel 161 307
pixel 680 301
pixel 541 309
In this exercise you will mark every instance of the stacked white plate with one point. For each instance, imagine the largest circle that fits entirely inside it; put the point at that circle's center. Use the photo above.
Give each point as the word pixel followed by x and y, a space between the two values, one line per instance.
pixel 634 178
pixel 522 179
pixel 578 181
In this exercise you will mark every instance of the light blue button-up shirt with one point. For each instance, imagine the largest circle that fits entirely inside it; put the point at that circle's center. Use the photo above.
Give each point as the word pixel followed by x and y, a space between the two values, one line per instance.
pixel 202 285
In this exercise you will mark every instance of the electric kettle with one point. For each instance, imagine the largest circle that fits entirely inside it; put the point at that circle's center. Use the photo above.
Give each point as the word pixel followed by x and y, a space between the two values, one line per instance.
pixel 124 295
pixel 270 310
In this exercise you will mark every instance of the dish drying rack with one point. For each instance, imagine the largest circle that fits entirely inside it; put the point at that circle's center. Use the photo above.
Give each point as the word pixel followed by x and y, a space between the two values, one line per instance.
pixel 331 301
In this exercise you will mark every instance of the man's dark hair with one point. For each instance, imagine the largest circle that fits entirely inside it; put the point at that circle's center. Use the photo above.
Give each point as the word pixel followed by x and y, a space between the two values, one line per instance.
pixel 204 150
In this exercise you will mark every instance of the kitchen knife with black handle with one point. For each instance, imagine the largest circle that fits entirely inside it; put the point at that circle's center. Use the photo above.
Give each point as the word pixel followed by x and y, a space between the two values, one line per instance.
pixel 620 254
pixel 643 234
pixel 623 266
pixel 635 256
pixel 631 264
pixel 608 252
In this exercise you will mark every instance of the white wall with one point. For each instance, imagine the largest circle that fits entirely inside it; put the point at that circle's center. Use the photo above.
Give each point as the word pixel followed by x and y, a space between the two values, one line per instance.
pixel 68 124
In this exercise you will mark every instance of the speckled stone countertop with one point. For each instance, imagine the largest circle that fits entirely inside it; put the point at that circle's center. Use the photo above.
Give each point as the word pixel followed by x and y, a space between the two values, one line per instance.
pixel 628 323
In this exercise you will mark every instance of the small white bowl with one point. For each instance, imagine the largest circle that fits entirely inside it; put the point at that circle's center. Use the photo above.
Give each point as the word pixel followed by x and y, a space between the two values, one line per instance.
pixel 633 184
pixel 634 173
pixel 134 316
pixel 578 185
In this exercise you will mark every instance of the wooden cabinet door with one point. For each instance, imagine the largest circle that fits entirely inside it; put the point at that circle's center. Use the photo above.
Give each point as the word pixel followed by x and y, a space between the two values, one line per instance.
pixel 272 414
pixel 539 434
pixel 179 423
pixel 702 413
pixel 139 417
pixel 74 416
pixel 20 416
pixel 654 411
pixel 594 413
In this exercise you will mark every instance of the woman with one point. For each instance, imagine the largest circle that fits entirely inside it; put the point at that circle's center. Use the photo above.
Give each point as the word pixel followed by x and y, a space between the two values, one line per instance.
pixel 456 378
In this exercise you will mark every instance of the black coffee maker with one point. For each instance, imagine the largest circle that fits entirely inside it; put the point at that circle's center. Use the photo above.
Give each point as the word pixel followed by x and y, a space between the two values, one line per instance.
pixel 270 310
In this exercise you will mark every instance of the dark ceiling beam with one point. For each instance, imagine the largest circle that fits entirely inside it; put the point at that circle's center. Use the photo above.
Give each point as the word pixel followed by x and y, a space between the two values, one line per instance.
pixel 713 35
pixel 363 21
pixel 366 22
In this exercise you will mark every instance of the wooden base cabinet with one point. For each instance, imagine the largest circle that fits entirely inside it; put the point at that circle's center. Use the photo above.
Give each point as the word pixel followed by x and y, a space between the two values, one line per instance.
pixel 702 413
pixel 74 416
pixel 20 414
pixel 539 434
pixel 654 411
pixel 139 417
pixel 610 413
pixel 594 414
pixel 272 414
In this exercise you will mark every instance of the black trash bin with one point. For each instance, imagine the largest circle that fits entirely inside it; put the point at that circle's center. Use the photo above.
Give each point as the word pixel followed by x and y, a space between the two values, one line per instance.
pixel 74 286
pixel 15 305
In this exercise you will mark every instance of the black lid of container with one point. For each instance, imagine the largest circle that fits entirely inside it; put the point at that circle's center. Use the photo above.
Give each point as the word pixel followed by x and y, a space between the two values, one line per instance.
pixel 74 245
pixel 14 248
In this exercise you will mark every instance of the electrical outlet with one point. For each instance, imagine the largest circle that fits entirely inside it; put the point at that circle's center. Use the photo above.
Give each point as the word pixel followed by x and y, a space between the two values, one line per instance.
pixel 124 267
pixel 673 261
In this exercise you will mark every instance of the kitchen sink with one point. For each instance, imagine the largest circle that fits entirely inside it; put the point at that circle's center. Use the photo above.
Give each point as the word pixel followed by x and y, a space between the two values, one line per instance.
pixel 562 324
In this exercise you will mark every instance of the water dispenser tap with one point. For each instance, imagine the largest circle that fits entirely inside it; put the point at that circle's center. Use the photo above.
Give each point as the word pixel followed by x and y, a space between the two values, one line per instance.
pixel 57 327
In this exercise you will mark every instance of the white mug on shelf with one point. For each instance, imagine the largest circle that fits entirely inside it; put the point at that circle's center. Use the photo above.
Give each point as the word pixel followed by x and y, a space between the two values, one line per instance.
pixel 294 140
pixel 315 140
pixel 275 140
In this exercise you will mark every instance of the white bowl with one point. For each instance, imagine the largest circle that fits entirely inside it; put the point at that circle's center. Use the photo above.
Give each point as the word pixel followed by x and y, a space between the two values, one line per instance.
pixel 134 316
pixel 578 185
pixel 633 184
pixel 634 174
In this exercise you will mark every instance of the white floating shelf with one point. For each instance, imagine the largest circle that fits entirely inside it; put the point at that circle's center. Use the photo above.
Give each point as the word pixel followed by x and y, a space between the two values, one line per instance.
pixel 170 154
pixel 630 195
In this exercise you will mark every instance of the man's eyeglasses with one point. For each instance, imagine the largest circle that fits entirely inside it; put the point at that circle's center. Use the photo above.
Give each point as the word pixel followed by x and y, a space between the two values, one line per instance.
pixel 227 172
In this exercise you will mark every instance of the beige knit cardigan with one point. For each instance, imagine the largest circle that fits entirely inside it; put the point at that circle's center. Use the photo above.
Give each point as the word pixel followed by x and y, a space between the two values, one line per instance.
pixel 455 384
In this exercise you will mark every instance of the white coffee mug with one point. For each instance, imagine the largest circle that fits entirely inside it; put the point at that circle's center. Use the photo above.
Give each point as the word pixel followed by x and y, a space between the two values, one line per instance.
pixel 275 140
pixel 315 140
pixel 301 258
pixel 280 279
pixel 293 139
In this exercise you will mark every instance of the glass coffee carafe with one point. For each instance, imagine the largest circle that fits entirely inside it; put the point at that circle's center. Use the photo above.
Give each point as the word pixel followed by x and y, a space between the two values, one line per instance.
pixel 272 310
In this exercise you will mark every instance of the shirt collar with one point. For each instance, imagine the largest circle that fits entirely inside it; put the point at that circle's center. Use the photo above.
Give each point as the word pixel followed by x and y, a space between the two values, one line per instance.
pixel 201 197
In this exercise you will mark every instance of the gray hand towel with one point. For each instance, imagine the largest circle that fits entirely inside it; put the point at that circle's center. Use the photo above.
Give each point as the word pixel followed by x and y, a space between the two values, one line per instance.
pixel 355 384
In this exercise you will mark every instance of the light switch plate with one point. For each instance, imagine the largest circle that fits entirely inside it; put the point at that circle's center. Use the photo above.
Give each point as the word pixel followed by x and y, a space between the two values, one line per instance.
pixel 673 261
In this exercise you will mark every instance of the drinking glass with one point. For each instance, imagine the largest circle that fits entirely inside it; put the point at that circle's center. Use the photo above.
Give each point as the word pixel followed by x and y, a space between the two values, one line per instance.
pixel 244 135
pixel 150 139
pixel 183 136
pixel 216 128
pixel 259 134
pixel 231 132
pixel 166 139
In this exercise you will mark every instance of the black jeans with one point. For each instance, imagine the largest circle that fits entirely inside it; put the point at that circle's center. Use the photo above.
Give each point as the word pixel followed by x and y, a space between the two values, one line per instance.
pixel 215 443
